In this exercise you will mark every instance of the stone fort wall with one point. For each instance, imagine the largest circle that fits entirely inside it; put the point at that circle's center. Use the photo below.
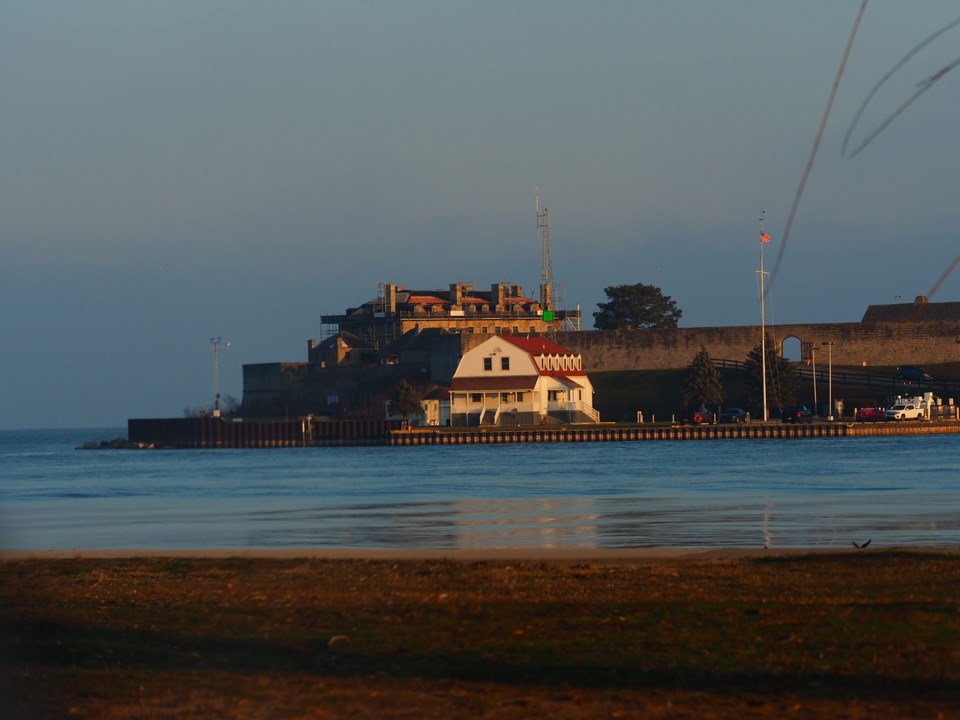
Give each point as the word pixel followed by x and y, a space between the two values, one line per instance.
pixel 853 344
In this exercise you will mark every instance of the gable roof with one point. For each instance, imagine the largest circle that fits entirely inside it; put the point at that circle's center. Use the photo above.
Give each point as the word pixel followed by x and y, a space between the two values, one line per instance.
pixel 535 346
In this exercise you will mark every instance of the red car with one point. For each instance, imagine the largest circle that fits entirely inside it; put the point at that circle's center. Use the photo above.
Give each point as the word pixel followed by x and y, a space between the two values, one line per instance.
pixel 870 415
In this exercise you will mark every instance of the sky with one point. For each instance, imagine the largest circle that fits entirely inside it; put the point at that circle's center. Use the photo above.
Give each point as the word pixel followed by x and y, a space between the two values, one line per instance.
pixel 182 170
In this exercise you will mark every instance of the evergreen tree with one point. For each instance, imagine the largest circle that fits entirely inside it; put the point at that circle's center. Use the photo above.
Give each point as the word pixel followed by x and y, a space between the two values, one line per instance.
pixel 702 385
pixel 405 400
pixel 783 379
pixel 636 307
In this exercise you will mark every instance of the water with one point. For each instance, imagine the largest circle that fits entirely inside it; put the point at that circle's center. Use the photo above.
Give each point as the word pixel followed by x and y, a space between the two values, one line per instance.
pixel 828 492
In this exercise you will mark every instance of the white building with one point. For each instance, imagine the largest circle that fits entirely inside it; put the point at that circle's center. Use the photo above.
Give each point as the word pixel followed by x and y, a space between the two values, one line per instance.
pixel 517 380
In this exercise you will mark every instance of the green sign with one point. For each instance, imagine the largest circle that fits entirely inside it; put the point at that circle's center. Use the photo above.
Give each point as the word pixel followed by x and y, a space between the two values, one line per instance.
pixel 548 315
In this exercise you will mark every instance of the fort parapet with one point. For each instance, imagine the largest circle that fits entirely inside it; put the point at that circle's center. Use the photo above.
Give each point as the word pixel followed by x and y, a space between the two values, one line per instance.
pixel 917 333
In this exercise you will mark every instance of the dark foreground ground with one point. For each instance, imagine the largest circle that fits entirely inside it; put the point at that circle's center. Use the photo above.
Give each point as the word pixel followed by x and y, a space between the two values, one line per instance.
pixel 864 634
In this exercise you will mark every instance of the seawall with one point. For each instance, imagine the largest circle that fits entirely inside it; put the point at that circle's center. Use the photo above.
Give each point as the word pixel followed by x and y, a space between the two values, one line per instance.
pixel 204 433
pixel 627 433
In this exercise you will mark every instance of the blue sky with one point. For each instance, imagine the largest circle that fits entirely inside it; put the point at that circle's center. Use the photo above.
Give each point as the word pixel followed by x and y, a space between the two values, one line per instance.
pixel 178 170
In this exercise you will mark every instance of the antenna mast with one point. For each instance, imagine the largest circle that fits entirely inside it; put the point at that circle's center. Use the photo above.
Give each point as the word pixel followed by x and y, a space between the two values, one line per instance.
pixel 215 344
pixel 546 273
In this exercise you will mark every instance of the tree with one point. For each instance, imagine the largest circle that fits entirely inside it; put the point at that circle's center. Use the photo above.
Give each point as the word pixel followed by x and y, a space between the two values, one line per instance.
pixel 405 400
pixel 636 306
pixel 702 385
pixel 783 378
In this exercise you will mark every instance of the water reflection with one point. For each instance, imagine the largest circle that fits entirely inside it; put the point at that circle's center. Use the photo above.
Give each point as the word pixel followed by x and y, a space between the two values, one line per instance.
pixel 608 523
pixel 810 493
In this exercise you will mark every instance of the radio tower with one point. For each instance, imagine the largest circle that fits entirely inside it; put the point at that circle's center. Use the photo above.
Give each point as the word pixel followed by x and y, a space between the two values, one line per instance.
pixel 546 274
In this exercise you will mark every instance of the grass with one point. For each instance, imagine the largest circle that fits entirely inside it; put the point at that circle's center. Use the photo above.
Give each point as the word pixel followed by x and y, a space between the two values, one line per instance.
pixel 852 634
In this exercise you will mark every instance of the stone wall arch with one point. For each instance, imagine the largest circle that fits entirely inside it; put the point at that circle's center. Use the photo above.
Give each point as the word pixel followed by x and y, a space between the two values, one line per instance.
pixel 791 348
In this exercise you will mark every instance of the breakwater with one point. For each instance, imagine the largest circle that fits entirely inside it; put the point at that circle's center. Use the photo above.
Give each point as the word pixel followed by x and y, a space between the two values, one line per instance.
pixel 626 433
pixel 204 433
pixel 212 432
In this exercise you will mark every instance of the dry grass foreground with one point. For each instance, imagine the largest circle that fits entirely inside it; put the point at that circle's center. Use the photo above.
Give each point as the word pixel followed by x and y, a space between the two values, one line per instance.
pixel 864 634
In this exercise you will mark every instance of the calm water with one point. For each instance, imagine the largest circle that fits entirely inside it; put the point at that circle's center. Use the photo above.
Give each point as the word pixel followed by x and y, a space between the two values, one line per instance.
pixel 745 493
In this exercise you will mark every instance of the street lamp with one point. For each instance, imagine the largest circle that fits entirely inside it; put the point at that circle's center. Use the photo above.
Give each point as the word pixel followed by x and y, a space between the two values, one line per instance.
pixel 813 356
pixel 829 344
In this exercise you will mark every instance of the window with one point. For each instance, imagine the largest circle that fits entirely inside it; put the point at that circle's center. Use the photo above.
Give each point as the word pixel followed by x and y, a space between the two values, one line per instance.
pixel 504 397
pixel 476 397
pixel 519 397
pixel 488 364
pixel 553 395
pixel 504 363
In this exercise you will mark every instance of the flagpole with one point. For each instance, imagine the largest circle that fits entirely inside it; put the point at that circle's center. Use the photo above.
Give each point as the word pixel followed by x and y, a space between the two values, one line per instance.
pixel 763 331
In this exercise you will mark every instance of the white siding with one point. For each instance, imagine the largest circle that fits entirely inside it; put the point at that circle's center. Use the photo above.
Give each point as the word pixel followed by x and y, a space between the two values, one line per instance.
pixel 471 365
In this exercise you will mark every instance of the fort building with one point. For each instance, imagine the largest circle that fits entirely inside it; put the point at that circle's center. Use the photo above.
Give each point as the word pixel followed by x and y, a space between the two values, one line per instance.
pixel 422 336
pixel 460 309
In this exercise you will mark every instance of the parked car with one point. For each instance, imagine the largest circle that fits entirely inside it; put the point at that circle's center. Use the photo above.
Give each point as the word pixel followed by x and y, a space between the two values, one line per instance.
pixel 870 414
pixel 695 416
pixel 733 415
pixel 796 414
pixel 905 411
pixel 913 373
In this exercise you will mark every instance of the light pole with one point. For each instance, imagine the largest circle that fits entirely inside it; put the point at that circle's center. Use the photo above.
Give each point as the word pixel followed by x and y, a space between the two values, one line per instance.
pixel 215 342
pixel 829 344
pixel 813 355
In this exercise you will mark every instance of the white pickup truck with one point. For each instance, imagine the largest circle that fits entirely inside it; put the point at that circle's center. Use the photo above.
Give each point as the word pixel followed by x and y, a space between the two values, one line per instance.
pixel 906 411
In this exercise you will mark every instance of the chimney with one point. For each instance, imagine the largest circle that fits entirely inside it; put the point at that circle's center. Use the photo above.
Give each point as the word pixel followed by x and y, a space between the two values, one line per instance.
pixel 496 297
pixel 390 299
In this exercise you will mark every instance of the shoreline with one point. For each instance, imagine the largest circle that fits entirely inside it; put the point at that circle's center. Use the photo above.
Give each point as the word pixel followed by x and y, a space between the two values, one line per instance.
pixel 559 555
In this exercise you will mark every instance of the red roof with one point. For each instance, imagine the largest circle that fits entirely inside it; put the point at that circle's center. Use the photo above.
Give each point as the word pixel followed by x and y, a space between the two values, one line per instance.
pixel 537 345
pixel 425 300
